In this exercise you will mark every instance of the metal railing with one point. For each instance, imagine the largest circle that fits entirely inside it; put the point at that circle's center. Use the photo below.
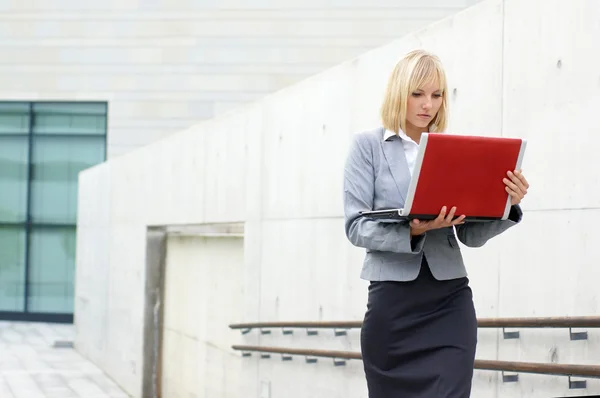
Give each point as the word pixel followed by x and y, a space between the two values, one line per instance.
pixel 508 366
pixel 547 322
pixel 590 371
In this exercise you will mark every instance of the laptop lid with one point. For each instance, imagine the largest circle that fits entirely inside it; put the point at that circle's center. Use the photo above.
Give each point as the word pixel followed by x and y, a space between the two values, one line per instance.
pixel 463 171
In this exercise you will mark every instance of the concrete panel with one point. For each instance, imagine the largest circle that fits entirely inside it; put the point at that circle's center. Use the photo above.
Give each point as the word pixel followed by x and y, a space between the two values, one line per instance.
pixel 125 303
pixel 568 259
pixel 473 67
pixel 225 168
pixel 95 188
pixel 251 302
pixel 550 97
pixel 543 277
pixel 203 294
pixel 93 262
pixel 300 141
pixel 330 287
pixel 92 284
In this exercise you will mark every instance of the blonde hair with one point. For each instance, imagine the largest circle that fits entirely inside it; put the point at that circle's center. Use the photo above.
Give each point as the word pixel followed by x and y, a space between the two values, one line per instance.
pixel 412 72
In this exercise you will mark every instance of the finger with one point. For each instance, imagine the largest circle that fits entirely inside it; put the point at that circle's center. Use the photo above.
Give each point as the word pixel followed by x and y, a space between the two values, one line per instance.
pixel 511 184
pixel 459 220
pixel 516 179
pixel 512 192
pixel 450 215
pixel 523 179
pixel 516 195
pixel 441 216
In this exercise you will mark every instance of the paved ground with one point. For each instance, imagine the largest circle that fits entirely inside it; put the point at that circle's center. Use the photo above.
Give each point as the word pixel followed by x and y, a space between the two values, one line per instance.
pixel 32 367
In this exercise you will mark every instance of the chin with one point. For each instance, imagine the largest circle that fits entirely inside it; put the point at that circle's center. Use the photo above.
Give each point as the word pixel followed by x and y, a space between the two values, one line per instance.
pixel 421 124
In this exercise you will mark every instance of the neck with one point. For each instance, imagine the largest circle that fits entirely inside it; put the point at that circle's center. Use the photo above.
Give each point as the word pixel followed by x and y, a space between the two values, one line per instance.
pixel 414 132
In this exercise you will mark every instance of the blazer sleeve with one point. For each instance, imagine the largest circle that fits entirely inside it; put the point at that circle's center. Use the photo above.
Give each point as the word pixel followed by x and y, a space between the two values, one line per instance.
pixel 476 234
pixel 359 188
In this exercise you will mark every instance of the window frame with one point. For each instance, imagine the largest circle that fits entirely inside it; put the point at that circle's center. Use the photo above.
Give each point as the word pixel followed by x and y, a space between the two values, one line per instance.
pixel 29 225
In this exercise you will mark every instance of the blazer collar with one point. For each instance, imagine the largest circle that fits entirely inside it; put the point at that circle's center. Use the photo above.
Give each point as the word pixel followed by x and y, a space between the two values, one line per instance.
pixel 388 134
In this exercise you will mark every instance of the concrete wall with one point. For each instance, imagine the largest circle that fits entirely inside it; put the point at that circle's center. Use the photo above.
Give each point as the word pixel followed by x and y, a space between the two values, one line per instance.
pixel 165 65
pixel 203 292
pixel 276 165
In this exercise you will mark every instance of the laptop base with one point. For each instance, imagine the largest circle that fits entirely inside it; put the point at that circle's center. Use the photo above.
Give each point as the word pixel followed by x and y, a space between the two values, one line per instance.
pixel 396 214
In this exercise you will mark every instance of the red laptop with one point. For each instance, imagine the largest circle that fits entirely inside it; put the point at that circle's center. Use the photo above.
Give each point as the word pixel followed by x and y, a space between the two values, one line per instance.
pixel 462 171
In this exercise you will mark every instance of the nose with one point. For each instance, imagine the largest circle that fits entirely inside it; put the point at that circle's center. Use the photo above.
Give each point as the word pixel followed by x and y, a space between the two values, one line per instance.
pixel 427 104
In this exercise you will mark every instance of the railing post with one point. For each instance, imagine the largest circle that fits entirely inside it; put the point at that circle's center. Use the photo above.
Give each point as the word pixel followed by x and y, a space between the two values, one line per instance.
pixel 510 378
pixel 577 384
pixel 577 335
pixel 510 335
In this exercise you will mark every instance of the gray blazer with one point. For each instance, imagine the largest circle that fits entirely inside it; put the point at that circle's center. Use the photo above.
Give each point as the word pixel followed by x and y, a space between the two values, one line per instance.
pixel 376 176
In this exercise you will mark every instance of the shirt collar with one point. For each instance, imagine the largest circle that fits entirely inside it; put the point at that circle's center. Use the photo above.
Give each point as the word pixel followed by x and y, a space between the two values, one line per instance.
pixel 389 134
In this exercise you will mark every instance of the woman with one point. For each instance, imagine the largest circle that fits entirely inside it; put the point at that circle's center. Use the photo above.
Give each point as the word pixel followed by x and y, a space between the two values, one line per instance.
pixel 420 330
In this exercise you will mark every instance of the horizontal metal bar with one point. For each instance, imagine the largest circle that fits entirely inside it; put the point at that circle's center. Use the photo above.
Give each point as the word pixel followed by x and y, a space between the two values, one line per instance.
pixel 214 230
pixel 69 135
pixel 541 322
pixel 507 366
pixel 300 325
pixel 300 351
pixel 36 317
pixel 549 322
pixel 35 224
pixel 540 368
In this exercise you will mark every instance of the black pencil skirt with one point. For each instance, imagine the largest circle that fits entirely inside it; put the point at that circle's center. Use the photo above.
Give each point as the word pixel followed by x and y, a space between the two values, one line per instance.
pixel 418 338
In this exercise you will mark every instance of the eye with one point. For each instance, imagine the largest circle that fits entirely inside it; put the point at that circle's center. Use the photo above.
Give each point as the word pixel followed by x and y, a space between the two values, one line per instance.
pixel 437 95
pixel 416 94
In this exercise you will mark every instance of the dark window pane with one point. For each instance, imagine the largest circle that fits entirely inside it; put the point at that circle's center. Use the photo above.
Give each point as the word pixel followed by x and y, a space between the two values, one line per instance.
pixel 13 178
pixel 14 118
pixel 56 164
pixel 71 108
pixel 12 268
pixel 69 118
pixel 51 270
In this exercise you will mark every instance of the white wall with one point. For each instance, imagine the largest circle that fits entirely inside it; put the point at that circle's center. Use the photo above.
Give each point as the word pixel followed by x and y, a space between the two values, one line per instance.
pixel 277 164
pixel 203 292
pixel 165 65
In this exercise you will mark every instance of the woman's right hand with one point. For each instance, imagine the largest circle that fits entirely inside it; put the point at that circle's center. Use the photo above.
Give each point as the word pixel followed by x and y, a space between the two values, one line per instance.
pixel 418 227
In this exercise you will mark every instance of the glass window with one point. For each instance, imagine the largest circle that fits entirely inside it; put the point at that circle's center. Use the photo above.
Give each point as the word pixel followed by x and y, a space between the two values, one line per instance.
pixel 14 119
pixel 69 119
pixel 51 269
pixel 57 162
pixel 43 147
pixel 12 268
pixel 14 153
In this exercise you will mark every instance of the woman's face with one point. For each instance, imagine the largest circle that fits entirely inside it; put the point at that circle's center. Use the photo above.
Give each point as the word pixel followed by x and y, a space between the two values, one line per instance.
pixel 423 105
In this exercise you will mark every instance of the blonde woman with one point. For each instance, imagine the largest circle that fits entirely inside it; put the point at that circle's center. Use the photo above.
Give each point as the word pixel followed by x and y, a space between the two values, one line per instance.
pixel 420 329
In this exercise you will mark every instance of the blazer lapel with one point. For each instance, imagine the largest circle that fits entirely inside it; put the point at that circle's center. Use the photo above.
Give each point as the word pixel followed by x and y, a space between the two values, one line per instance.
pixel 394 154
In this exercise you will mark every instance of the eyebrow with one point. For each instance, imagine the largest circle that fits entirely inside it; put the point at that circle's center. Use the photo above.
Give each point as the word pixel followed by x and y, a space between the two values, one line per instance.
pixel 439 90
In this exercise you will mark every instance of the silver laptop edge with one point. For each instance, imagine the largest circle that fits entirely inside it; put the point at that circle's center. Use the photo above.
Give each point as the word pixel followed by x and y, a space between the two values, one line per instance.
pixel 517 167
pixel 405 211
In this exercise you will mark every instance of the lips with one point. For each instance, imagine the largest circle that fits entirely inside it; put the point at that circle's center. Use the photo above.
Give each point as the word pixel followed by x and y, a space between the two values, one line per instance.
pixel 424 116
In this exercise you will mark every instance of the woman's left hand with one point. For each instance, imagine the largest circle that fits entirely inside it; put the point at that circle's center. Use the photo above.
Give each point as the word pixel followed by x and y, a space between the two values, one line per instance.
pixel 516 186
